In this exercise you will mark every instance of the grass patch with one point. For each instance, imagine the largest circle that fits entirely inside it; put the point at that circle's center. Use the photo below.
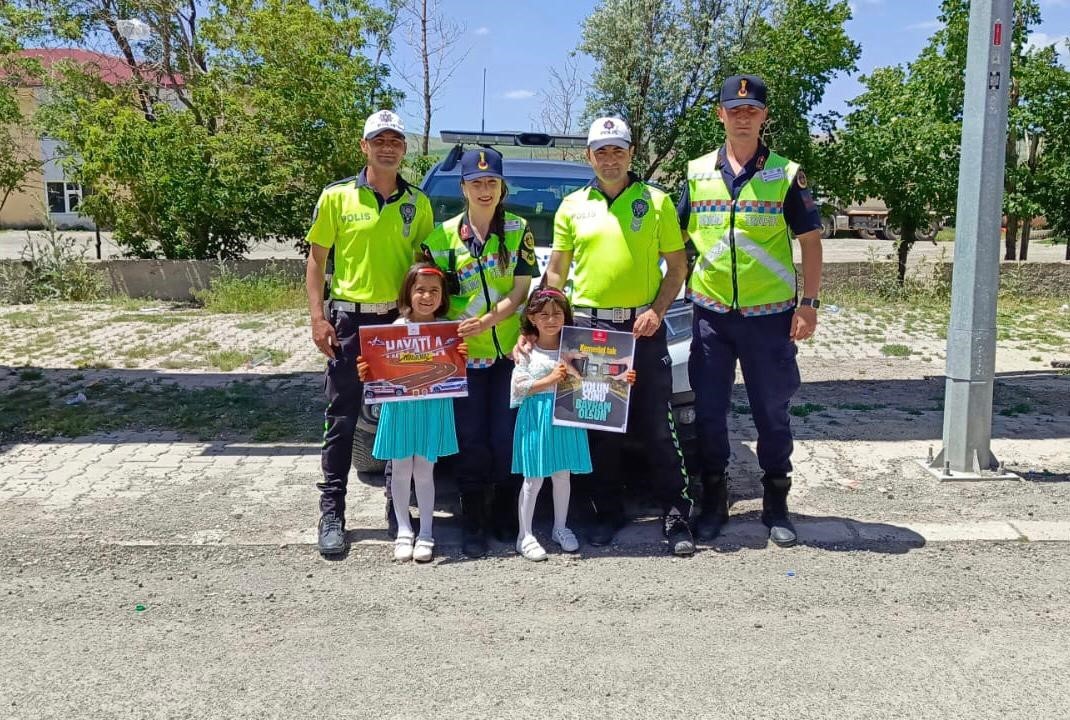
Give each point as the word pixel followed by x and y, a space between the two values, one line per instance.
pixel 30 374
pixel 895 350
pixel 27 319
pixel 151 318
pixel 240 411
pixel 860 407
pixel 1016 409
pixel 269 291
pixel 227 360
pixel 806 409
pixel 181 364
pixel 251 325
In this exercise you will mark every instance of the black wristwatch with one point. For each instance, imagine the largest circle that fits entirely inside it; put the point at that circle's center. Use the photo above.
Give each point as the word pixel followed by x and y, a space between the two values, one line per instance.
pixel 810 302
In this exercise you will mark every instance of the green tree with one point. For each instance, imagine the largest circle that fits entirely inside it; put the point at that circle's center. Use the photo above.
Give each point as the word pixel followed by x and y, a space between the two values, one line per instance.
pixel 231 124
pixel 902 150
pixel 661 64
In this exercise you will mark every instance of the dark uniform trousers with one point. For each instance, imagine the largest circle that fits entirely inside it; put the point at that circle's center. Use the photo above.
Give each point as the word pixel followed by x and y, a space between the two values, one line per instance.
pixel 650 425
pixel 485 425
pixel 344 392
pixel 766 354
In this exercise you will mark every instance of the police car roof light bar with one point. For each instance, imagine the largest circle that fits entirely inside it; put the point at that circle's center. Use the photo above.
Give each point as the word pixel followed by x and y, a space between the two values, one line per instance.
pixel 514 139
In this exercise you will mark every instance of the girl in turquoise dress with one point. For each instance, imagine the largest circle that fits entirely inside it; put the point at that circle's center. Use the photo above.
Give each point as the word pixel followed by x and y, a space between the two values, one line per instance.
pixel 413 434
pixel 541 448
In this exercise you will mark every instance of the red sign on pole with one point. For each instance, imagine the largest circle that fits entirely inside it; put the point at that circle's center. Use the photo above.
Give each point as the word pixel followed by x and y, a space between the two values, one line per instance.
pixel 997 34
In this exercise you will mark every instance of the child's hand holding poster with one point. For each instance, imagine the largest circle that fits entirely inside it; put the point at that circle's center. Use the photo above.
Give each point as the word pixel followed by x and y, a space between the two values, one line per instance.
pixel 595 393
pixel 414 361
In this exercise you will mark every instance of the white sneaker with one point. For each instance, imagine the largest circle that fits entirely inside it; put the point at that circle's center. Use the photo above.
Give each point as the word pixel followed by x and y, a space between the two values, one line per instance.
pixel 530 548
pixel 566 539
pixel 403 548
pixel 424 550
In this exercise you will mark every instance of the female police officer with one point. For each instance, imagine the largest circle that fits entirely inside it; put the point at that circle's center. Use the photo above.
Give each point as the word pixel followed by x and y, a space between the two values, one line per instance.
pixel 489 257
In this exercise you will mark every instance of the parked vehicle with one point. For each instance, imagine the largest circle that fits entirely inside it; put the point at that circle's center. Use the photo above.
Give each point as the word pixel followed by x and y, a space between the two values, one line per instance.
pixel 536 188
pixel 868 220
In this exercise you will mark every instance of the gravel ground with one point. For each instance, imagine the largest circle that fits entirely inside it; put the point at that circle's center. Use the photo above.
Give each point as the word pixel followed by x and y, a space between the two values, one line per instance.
pixel 946 631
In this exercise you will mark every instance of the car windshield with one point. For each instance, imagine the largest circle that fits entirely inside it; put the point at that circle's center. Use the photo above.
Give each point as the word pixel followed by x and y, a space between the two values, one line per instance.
pixel 533 198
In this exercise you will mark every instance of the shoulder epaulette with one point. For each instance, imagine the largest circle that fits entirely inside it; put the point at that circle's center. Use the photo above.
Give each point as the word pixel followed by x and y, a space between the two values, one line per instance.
pixel 352 178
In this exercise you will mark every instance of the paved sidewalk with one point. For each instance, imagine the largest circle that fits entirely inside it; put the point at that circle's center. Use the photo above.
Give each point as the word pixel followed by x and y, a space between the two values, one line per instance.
pixel 152 489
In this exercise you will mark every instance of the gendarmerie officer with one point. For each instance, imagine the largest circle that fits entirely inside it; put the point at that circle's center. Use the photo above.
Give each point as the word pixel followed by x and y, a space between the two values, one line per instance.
pixel 741 206
pixel 615 231
pixel 375 222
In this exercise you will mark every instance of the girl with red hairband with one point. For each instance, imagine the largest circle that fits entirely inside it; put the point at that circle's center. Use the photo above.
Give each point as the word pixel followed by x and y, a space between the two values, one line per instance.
pixel 414 434
pixel 540 448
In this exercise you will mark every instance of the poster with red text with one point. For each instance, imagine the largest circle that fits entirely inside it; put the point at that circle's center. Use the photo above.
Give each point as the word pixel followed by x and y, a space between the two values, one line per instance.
pixel 595 393
pixel 414 361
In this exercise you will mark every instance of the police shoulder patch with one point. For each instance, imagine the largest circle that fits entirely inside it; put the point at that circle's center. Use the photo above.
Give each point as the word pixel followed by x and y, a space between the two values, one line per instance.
pixel 800 179
pixel 527 249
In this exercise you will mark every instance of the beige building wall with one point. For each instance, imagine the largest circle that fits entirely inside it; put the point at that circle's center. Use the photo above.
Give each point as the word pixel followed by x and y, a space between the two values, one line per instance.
pixel 27 208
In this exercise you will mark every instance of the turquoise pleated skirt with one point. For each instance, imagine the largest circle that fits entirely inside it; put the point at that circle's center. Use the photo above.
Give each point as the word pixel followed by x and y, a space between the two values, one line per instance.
pixel 418 427
pixel 540 447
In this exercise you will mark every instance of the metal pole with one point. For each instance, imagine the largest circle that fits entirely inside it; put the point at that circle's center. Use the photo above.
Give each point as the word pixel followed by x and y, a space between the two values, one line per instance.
pixel 483 113
pixel 971 336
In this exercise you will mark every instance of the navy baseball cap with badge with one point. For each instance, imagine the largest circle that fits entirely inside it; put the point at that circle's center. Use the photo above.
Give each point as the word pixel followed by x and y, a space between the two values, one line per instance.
pixel 382 120
pixel 484 162
pixel 741 90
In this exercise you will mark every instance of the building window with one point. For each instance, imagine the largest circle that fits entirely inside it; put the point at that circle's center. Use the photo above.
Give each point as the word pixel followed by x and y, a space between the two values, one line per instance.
pixel 63 197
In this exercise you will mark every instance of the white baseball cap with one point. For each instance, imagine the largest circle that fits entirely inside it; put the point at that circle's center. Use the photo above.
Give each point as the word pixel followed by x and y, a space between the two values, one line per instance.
pixel 381 121
pixel 609 131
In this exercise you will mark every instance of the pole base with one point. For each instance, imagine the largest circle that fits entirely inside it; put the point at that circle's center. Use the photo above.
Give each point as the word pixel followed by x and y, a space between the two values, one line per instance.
pixel 944 474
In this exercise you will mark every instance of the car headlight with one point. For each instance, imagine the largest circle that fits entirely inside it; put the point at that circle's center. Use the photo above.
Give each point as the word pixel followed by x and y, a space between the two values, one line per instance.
pixel 375 410
pixel 678 321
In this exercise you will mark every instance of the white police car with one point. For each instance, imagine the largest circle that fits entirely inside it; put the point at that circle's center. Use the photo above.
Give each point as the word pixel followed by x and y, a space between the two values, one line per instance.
pixel 536 188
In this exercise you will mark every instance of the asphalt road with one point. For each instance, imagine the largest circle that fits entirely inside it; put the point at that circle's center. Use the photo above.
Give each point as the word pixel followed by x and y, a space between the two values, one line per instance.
pixel 945 631
pixel 427 374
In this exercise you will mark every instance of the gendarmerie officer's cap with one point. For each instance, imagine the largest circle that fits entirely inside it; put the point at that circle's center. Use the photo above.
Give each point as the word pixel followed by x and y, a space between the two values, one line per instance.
pixel 743 90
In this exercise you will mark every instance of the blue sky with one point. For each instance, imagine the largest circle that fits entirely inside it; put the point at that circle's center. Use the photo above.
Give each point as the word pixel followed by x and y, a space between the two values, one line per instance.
pixel 517 40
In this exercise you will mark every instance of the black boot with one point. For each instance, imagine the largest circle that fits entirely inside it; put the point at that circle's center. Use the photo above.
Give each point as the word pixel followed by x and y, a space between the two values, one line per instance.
pixel 332 534
pixel 714 512
pixel 775 510
pixel 678 534
pixel 473 534
pixel 503 514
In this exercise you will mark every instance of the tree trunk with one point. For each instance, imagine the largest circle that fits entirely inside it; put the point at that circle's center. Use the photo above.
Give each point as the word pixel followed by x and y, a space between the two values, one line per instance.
pixel 1027 228
pixel 906 241
pixel 1011 240
pixel 427 77
pixel 1067 249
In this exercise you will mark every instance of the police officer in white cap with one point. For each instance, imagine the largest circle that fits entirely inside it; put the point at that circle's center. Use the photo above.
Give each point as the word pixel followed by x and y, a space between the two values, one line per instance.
pixel 611 236
pixel 375 222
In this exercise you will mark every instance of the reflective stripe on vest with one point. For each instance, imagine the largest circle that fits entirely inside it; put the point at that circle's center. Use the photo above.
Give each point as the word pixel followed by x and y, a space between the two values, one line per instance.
pixel 472 272
pixel 744 246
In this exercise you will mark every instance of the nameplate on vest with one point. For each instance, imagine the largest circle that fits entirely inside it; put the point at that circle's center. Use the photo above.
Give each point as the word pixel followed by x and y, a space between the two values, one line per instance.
pixel 511 225
pixel 761 220
pixel 708 219
pixel 773 174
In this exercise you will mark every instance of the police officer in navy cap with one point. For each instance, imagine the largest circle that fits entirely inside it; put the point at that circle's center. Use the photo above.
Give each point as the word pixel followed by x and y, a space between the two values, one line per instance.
pixel 488 256
pixel 741 207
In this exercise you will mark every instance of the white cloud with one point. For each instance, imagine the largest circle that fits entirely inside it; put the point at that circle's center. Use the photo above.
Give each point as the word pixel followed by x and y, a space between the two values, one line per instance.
pixel 927 26
pixel 1039 40
pixel 484 30
pixel 519 94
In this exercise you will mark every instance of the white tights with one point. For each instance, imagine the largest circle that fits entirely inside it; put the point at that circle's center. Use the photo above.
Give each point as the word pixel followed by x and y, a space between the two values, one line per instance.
pixel 529 492
pixel 406 470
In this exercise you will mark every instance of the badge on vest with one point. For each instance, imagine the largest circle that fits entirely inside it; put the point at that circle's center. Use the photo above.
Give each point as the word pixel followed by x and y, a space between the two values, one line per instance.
pixel 774 174
pixel 408 214
pixel 639 210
